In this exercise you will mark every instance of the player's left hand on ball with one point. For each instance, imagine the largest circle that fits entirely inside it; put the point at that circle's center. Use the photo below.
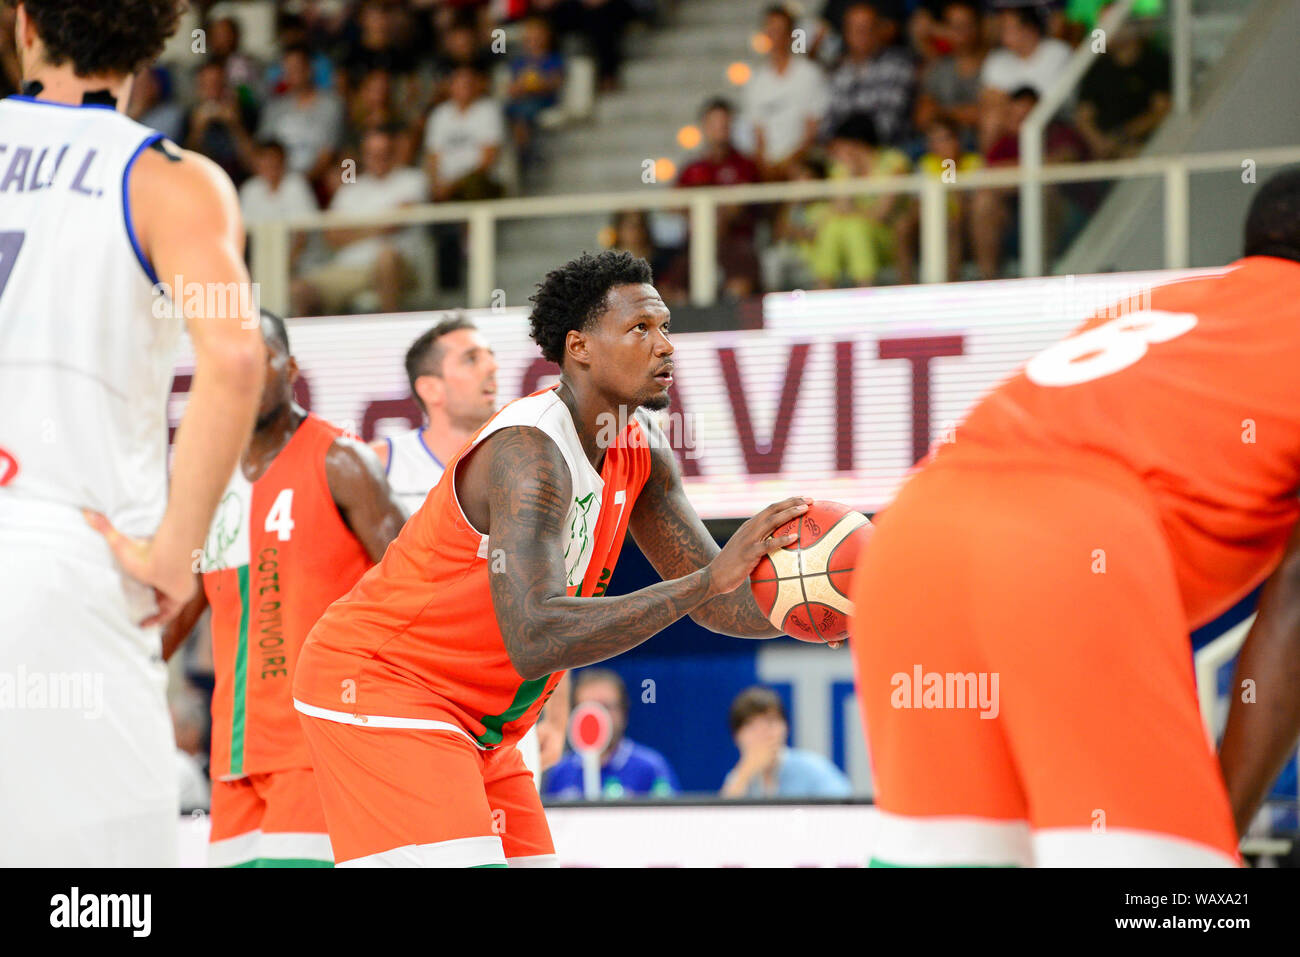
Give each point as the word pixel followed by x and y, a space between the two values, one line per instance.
pixel 137 558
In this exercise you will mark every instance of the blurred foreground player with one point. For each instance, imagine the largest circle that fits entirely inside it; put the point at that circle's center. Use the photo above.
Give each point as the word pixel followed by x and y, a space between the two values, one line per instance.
pixel 1129 485
pixel 306 512
pixel 415 687
pixel 88 224
pixel 453 375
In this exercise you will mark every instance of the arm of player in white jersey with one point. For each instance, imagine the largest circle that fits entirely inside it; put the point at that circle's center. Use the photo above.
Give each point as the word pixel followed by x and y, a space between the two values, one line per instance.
pixel 363 496
pixel 1263 726
pixel 187 220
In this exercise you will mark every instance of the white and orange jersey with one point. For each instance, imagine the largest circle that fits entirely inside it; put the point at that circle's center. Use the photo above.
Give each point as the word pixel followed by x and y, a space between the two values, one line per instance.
pixel 416 643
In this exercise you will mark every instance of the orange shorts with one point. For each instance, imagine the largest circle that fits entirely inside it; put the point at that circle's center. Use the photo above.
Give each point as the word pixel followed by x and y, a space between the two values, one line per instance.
pixel 272 819
pixel 401 797
pixel 1026 680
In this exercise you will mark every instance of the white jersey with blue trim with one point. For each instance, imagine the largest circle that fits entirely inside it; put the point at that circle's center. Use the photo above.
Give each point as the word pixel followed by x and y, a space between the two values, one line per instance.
pixel 85 364
pixel 412 469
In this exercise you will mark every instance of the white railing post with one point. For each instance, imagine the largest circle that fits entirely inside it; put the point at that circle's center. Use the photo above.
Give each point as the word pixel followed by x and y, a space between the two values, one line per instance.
pixel 934 231
pixel 704 250
pixel 270 265
pixel 482 256
pixel 1182 59
pixel 1177 216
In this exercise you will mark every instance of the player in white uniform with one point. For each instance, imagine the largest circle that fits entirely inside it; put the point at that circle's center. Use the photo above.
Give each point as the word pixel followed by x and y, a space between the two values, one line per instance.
pixel 94 552
pixel 452 372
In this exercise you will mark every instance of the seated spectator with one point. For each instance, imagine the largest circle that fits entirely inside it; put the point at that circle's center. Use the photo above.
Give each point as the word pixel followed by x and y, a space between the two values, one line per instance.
pixel 721 164
pixel 152 103
pixel 944 156
pixel 275 194
pixel 377 105
pixel 1124 96
pixel 308 121
pixel 461 46
pixel 950 87
pixel 787 259
pixel 874 76
pixel 463 141
pixel 244 74
pixel 994 211
pixel 1027 57
pixel 629 230
pixel 768 767
pixel 627 769
pixel 603 23
pixel 382 258
pixel 535 81
pixel 216 127
pixel 855 236
pixel 375 45
pixel 784 100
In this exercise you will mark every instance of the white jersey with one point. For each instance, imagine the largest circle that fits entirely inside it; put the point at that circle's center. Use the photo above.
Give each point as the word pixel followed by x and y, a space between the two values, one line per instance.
pixel 412 469
pixel 85 367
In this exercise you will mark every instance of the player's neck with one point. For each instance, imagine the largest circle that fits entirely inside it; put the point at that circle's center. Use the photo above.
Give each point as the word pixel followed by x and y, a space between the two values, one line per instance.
pixel 443 438
pixel 270 437
pixel 590 415
pixel 58 84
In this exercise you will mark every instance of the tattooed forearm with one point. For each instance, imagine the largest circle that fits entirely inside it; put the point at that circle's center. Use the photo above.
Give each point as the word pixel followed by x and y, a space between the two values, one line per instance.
pixel 529 491
pixel 669 532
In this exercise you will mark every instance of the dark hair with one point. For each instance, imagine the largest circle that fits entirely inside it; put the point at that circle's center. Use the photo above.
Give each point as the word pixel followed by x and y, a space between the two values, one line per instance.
pixel 591 675
pixel 97 38
pixel 752 702
pixel 296 48
pixel 278 329
pixel 1024 92
pixel 857 126
pixel 572 296
pixel 424 357
pixel 716 103
pixel 1273 221
pixel 270 143
pixel 1028 17
pixel 943 122
pixel 779 10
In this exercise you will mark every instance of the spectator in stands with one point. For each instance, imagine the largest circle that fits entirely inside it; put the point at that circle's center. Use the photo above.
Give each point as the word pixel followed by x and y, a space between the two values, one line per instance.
pixel 720 163
pixel 1027 57
pixel 768 767
pixel 950 87
pixel 874 76
pixel 944 158
pixel 308 121
pixel 1124 96
pixel 994 211
pixel 784 100
pixel 629 230
pixel 536 78
pixel 461 46
pixel 215 126
pixel 603 23
pixel 855 236
pixel 382 258
pixel 627 769
pixel 275 194
pixel 375 105
pixel 244 74
pixel 376 46
pixel 787 259
pixel 153 105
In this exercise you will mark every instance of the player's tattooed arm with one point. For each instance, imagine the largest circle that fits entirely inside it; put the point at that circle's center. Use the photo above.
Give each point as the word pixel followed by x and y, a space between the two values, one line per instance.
pixel 521 478
pixel 362 494
pixel 669 532
pixel 1264 716
pixel 180 627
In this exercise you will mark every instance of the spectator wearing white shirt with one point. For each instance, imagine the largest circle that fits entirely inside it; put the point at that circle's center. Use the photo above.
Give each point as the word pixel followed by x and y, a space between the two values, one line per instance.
pixel 275 194
pixel 1027 57
pixel 380 257
pixel 309 122
pixel 784 101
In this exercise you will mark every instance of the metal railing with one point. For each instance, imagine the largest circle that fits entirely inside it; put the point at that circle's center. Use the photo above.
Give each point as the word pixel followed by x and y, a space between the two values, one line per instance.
pixel 270 249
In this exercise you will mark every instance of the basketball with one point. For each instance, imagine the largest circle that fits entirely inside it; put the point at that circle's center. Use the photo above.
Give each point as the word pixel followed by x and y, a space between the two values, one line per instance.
pixel 803 588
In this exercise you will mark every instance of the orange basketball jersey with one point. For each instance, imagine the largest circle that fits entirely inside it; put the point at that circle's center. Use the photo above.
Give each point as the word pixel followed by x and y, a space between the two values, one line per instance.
pixel 277 554
pixel 416 643
pixel 1198 394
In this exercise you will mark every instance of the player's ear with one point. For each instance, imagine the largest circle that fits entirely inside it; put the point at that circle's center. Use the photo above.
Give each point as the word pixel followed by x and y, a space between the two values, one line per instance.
pixel 431 390
pixel 576 347
pixel 293 371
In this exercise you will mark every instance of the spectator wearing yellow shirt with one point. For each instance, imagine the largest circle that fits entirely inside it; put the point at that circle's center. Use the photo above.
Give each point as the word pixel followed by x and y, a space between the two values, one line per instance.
pixel 855 235
pixel 947 160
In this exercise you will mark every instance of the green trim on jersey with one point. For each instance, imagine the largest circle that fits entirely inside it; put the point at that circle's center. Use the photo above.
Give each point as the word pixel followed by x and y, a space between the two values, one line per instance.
pixel 284 862
pixel 238 712
pixel 527 693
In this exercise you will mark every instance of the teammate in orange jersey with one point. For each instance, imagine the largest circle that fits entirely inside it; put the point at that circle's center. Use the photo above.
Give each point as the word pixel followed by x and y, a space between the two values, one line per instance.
pixel 1021 646
pixel 306 512
pixel 415 687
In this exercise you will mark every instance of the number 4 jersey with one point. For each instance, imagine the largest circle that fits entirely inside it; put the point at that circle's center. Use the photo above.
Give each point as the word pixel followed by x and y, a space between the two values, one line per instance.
pixel 1199 395
pixel 277 554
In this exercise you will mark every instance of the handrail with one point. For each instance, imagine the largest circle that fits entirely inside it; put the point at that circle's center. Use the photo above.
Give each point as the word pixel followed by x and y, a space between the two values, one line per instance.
pixel 1031 137
pixel 271 239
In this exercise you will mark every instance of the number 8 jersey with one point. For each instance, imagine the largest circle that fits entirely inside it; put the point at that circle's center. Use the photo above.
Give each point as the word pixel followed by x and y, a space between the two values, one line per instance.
pixel 277 553
pixel 1198 395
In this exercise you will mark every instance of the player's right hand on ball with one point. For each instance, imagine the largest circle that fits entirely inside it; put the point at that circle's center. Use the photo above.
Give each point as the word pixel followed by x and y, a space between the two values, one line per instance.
pixel 172 586
pixel 731 567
